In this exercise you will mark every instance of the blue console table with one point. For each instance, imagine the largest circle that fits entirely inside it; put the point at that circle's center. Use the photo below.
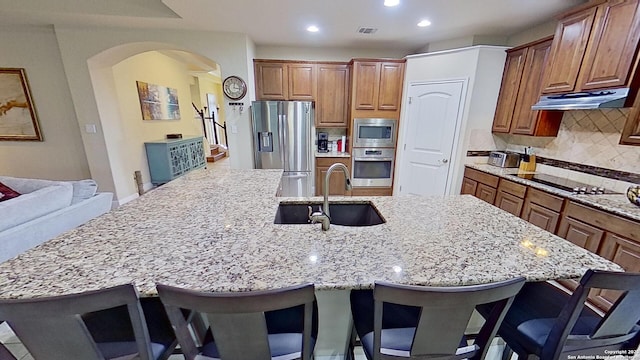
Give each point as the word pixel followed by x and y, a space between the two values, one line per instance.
pixel 171 158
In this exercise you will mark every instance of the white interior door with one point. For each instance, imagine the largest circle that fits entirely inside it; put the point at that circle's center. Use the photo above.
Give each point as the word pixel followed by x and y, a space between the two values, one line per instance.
pixel 434 111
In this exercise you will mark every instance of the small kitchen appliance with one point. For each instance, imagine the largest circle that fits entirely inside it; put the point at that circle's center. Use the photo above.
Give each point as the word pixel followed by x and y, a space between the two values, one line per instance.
pixel 323 142
pixel 504 159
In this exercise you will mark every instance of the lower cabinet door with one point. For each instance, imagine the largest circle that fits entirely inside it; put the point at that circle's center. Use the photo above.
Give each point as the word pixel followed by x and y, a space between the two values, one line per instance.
pixel 509 203
pixel 486 193
pixel 469 186
pixel 581 234
pixel 541 216
pixel 623 252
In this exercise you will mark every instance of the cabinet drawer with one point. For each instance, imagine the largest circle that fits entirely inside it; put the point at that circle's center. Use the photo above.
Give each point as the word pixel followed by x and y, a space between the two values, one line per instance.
pixel 615 224
pixel 481 177
pixel 328 161
pixel 547 200
pixel 512 188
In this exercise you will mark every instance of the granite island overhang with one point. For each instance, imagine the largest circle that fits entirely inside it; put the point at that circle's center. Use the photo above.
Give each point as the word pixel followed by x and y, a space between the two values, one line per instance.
pixel 213 229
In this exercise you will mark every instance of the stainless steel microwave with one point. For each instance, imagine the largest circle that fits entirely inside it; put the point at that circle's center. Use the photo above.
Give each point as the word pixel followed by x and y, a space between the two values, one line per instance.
pixel 374 132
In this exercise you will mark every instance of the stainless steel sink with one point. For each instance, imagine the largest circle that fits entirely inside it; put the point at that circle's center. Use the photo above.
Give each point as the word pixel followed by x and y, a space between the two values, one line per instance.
pixel 345 214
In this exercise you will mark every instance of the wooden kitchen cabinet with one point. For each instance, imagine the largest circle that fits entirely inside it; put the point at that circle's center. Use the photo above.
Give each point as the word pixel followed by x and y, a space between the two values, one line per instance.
pixel 542 209
pixel 520 89
pixel 594 48
pixel 631 131
pixel 510 197
pixel 372 191
pixel 279 80
pixel 377 88
pixel 484 185
pixel 336 181
pixel 610 236
pixel 511 77
pixel 332 102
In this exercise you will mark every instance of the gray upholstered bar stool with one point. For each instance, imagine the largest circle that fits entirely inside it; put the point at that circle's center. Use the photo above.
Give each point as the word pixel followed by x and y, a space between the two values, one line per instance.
pixel 402 321
pixel 241 323
pixel 53 328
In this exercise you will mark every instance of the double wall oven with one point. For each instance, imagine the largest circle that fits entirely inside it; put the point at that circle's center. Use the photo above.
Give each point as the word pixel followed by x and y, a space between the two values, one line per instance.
pixel 373 152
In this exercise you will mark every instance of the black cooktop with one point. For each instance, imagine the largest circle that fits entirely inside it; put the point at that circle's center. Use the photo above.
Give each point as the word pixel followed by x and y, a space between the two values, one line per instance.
pixel 566 184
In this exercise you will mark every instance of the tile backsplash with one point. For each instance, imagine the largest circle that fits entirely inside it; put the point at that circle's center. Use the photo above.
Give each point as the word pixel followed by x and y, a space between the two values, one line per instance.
pixel 588 137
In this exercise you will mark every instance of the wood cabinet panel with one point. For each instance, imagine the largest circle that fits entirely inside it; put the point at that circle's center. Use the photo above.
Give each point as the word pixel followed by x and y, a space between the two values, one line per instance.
pixel 541 216
pixel 611 52
pixel 389 93
pixel 482 177
pixel 302 82
pixel 512 188
pixel 486 193
pixel 372 191
pixel 336 181
pixel 525 120
pixel 511 78
pixel 581 234
pixel 366 75
pixel 547 200
pixel 567 51
pixel 631 131
pixel 603 220
pixel 469 186
pixel 509 203
pixel 623 252
pixel 272 81
pixel 332 105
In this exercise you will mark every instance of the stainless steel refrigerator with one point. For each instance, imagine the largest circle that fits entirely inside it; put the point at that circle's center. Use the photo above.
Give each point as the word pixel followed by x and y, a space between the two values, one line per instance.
pixel 283 134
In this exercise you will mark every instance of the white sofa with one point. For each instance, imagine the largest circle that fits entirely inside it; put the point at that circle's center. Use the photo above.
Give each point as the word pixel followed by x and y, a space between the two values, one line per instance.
pixel 44 210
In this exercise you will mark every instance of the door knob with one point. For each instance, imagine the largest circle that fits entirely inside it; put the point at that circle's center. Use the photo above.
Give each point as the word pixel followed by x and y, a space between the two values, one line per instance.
pixel 444 161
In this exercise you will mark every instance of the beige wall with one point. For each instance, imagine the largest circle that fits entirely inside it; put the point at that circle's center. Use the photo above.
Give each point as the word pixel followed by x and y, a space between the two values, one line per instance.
pixel 128 136
pixel 532 34
pixel 61 155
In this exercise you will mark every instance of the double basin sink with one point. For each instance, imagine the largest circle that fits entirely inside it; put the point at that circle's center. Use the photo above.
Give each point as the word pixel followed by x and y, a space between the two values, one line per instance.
pixel 345 214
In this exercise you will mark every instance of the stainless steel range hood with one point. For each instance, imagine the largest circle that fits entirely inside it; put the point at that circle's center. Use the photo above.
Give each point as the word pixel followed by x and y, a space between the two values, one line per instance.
pixel 611 98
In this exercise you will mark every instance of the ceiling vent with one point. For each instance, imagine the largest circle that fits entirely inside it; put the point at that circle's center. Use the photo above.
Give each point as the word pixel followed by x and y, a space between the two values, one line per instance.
pixel 367 30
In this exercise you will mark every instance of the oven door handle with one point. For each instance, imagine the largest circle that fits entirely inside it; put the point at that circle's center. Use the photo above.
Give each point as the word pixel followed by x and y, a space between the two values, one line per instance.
pixel 372 159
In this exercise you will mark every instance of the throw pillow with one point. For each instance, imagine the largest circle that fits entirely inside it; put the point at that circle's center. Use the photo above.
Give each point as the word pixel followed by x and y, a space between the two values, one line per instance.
pixel 83 189
pixel 7 192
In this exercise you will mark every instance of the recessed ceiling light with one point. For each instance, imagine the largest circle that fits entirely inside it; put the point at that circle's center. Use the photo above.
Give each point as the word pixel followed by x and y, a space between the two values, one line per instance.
pixel 391 2
pixel 424 23
pixel 313 28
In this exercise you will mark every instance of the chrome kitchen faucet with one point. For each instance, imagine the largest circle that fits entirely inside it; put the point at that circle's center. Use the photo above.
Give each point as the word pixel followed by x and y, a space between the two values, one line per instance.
pixel 325 217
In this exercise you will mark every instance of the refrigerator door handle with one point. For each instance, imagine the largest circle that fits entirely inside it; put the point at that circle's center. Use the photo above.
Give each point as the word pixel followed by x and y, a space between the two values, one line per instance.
pixel 281 131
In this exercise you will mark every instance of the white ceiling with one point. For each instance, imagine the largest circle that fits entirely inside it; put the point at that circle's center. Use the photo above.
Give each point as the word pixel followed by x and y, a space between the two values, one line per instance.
pixel 282 22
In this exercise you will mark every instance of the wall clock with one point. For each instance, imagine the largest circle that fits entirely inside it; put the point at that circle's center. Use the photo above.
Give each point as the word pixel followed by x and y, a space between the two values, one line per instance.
pixel 234 88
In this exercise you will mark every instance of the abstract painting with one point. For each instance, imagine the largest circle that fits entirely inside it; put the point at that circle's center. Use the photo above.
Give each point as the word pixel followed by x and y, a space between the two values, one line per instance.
pixel 158 102
pixel 18 120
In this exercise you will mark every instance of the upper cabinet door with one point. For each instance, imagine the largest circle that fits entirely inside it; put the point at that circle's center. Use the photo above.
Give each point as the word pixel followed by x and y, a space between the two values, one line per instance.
pixel 332 103
pixel 302 82
pixel 568 49
pixel 391 76
pixel 511 77
pixel 366 75
pixel 612 48
pixel 272 81
pixel 527 121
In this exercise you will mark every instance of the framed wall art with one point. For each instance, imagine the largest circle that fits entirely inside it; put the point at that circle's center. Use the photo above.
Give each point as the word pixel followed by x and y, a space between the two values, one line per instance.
pixel 158 102
pixel 18 120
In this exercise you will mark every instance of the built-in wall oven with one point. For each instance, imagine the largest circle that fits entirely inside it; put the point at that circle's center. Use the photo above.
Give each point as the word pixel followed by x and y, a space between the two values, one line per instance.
pixel 372 167
pixel 374 132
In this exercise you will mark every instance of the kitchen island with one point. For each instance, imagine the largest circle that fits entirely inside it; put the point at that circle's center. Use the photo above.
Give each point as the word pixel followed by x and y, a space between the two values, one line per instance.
pixel 213 230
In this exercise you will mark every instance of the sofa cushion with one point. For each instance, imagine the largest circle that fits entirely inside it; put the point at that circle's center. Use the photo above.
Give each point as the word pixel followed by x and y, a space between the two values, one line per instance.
pixel 83 190
pixel 7 193
pixel 31 205
pixel 25 185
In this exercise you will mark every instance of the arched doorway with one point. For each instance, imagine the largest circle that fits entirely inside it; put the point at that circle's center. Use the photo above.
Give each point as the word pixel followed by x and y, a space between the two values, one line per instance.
pixel 115 75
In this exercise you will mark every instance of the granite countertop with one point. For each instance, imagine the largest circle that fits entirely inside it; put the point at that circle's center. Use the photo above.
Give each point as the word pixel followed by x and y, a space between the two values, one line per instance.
pixel 213 230
pixel 333 154
pixel 615 203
